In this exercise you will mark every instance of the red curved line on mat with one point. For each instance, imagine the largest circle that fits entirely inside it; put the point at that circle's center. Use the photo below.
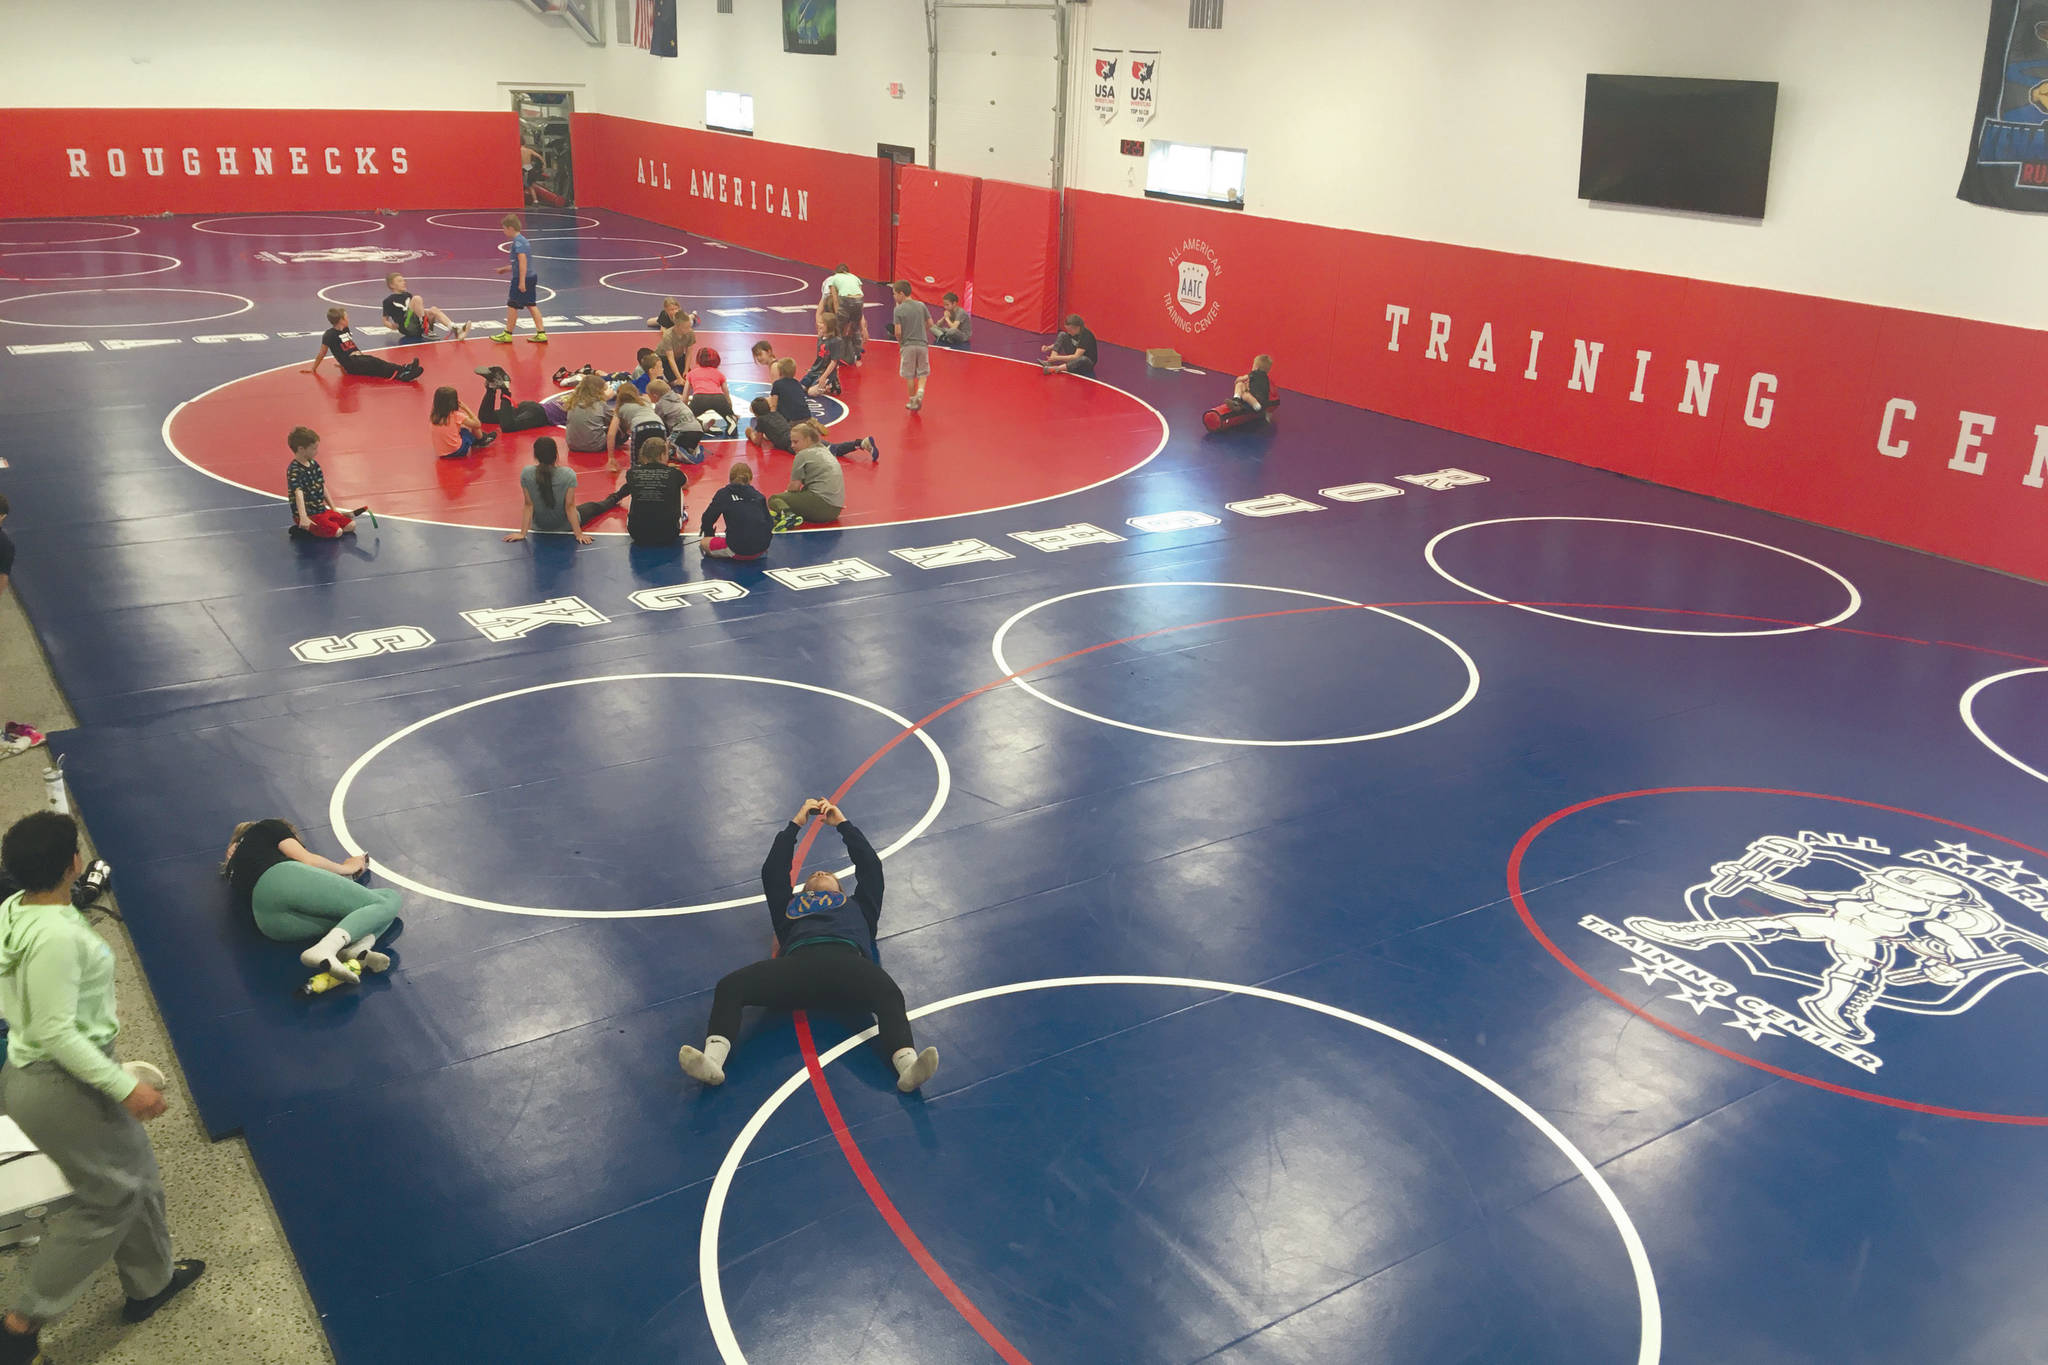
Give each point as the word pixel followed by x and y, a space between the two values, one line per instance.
pixel 865 1174
pixel 1529 922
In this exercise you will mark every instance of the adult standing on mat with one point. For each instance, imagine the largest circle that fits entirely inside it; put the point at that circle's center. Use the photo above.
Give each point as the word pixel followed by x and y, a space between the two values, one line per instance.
pixel 525 284
pixel 826 959
pixel 295 894
pixel 77 1104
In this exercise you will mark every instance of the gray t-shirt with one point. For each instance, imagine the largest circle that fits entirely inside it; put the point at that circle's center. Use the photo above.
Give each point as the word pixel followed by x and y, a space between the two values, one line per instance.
pixel 957 329
pixel 586 426
pixel 553 514
pixel 911 324
pixel 817 469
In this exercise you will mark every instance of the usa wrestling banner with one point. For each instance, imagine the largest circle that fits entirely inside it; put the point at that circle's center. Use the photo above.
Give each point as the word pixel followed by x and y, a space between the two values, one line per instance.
pixel 2008 166
pixel 1144 69
pixel 1107 60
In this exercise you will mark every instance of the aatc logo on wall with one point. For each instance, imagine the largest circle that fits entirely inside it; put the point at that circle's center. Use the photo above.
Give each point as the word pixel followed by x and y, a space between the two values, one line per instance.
pixel 1192 303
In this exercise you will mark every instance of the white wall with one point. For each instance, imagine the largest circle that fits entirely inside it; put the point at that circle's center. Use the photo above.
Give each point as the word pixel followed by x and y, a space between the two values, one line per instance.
pixel 281 54
pixel 1460 122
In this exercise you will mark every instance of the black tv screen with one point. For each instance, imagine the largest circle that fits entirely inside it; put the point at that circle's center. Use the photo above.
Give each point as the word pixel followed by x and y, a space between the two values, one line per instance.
pixel 1670 143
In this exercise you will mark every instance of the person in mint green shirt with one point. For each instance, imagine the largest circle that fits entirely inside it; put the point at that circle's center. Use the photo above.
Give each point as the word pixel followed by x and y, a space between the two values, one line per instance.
pixel 78 1105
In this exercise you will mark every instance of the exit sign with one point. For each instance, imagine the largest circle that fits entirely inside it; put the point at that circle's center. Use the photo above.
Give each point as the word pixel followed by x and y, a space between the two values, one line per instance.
pixel 1133 148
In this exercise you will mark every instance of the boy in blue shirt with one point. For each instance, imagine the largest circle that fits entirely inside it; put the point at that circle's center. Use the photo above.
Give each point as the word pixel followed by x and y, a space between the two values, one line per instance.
pixel 525 284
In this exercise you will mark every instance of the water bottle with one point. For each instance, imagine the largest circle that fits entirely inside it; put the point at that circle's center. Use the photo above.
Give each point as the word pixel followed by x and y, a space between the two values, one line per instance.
pixel 53 784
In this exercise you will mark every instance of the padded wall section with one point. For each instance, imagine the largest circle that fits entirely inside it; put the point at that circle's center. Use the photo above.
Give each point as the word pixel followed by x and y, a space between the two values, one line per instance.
pixel 1016 255
pixel 935 221
pixel 817 207
pixel 81 162
pixel 1912 428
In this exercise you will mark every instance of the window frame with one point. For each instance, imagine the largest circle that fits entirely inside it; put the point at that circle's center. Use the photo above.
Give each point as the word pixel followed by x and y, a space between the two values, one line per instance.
pixel 1205 200
pixel 709 95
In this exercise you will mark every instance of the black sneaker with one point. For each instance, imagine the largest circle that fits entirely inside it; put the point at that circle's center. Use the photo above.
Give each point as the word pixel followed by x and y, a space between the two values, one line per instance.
pixel 182 1274
pixel 874 448
pixel 21 1348
pixel 484 440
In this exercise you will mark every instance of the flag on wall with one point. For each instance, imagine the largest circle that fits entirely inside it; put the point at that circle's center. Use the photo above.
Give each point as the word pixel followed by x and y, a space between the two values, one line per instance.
pixel 664 44
pixel 811 27
pixel 643 24
pixel 1107 60
pixel 2008 163
pixel 1140 88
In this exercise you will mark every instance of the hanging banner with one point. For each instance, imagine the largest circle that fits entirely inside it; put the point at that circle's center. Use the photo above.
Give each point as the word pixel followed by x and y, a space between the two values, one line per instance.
pixel 811 27
pixel 2008 165
pixel 1106 62
pixel 1144 68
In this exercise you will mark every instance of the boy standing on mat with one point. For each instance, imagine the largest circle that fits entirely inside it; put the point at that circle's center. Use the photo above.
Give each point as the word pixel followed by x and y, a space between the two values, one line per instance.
pixel 826 962
pixel 339 342
pixel 911 326
pixel 525 284
pixel 82 1108
pixel 411 316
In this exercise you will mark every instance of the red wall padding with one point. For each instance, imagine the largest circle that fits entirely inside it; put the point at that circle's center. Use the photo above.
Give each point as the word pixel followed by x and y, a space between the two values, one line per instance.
pixel 77 162
pixel 1016 256
pixel 935 231
pixel 806 205
pixel 1800 385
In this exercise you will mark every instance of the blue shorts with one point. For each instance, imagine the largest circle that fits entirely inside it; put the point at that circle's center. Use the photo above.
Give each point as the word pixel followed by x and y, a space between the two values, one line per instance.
pixel 527 297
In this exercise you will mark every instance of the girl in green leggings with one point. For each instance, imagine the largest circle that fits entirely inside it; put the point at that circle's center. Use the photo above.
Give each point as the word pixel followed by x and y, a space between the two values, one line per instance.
pixel 296 894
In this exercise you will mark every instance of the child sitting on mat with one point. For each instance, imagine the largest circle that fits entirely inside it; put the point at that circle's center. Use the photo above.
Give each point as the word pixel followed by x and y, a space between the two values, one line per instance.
pixel 633 421
pixel 954 326
pixel 498 409
pixel 764 354
pixel 338 341
pixel 704 386
pixel 684 430
pixel 666 318
pixel 1254 391
pixel 295 894
pixel 411 316
pixel 306 488
pixel 456 430
pixel 769 429
pixel 749 525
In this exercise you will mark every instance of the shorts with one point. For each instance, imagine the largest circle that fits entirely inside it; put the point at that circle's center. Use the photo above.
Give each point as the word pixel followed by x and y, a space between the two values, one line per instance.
pixel 850 306
pixel 527 297
pixel 915 362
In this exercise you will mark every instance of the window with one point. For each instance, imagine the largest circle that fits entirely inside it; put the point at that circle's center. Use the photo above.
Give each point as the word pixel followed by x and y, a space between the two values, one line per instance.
pixel 1197 175
pixel 727 112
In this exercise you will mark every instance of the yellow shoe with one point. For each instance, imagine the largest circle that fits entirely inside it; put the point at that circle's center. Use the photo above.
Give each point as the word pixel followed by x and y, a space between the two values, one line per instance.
pixel 538 336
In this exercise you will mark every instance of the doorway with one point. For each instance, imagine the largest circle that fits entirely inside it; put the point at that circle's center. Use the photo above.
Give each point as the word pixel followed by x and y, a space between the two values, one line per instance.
pixel 547 166
pixel 892 159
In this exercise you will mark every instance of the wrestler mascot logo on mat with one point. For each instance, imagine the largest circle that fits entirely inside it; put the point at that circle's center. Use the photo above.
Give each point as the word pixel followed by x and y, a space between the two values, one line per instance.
pixel 1857 929
pixel 1191 305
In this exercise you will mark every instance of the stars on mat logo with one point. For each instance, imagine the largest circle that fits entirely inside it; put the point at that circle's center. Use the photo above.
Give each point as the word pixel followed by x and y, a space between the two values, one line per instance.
pixel 1191 305
pixel 377 255
pixel 1847 930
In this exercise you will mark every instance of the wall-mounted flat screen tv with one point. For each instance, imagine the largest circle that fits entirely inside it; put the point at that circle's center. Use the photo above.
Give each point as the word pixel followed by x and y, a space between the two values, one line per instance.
pixel 1672 143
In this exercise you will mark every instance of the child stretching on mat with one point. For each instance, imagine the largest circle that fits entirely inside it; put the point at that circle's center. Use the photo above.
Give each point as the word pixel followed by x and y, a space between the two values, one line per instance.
pixel 588 416
pixel 294 894
pixel 827 962
pixel 411 317
pixel 339 342
pixel 749 525
pixel 547 489
pixel 457 430
pixel 954 325
pixel 306 489
pixel 525 284
pixel 674 411
pixel 634 420
pixel 768 430
pixel 704 387
pixel 1073 351
pixel 500 411
pixel 792 402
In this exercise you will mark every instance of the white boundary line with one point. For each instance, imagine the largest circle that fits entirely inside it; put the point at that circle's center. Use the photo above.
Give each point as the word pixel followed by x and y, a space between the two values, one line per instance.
pixel 1652 1341
pixel 127 230
pixel 583 221
pixel 1004 668
pixel 674 249
pixel 497 280
pixel 175 263
pixel 1855 597
pixel 172 446
pixel 338 818
pixel 201 225
pixel 606 281
pixel 1968 707
pixel 247 305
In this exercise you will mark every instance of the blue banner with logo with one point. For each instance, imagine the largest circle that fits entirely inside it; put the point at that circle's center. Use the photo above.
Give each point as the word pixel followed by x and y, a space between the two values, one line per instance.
pixel 2008 166
pixel 811 27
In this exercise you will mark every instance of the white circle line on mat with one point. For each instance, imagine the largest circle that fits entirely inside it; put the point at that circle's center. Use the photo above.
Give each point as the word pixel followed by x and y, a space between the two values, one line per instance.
pixel 119 275
pixel 1471 669
pixel 671 249
pixel 171 444
pixel 374 226
pixel 1855 597
pixel 1968 707
pixel 247 305
pixel 606 281
pixel 497 280
pixel 337 815
pixel 1651 1312
pixel 127 230
pixel 582 221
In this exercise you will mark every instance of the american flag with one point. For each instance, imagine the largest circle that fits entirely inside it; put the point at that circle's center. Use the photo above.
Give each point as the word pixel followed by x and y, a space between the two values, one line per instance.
pixel 643 24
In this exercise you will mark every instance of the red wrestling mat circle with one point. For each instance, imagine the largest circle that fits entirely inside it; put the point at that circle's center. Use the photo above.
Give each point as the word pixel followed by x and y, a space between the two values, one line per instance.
pixel 993 433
